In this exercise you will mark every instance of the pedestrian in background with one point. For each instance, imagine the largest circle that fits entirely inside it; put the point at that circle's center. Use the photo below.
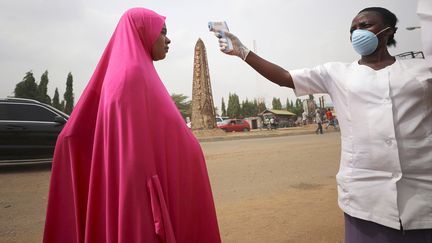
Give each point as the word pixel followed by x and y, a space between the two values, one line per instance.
pixel 318 120
pixel 304 118
pixel 330 119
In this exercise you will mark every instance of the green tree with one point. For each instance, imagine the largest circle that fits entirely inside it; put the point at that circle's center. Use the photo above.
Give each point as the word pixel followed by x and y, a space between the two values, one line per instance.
pixel 183 104
pixel 234 109
pixel 276 104
pixel 249 108
pixel 42 90
pixel 27 88
pixel 56 100
pixel 289 105
pixel 69 95
pixel 298 108
pixel 224 112
pixel 261 106
pixel 62 105
pixel 242 110
pixel 256 109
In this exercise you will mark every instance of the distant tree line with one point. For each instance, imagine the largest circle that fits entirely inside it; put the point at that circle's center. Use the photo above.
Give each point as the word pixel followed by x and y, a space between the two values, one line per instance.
pixel 250 108
pixel 29 89
pixel 240 109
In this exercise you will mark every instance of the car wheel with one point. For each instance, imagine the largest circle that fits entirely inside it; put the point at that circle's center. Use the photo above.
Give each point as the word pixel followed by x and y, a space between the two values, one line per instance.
pixel 245 130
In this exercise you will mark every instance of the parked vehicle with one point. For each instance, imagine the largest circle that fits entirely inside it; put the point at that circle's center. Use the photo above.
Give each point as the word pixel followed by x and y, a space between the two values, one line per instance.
pixel 220 119
pixel 234 125
pixel 28 130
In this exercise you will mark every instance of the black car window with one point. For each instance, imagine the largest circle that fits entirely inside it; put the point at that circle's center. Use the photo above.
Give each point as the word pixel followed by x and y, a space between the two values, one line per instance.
pixel 25 112
pixel 226 122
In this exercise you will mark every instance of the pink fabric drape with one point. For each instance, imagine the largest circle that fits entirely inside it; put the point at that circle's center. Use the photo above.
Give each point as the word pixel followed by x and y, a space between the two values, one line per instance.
pixel 126 168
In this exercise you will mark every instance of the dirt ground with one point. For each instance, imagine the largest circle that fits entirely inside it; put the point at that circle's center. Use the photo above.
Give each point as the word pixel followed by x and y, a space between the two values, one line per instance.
pixel 279 189
pixel 272 189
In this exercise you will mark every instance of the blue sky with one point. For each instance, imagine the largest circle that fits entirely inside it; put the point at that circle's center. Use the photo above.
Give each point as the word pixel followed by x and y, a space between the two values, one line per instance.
pixel 64 36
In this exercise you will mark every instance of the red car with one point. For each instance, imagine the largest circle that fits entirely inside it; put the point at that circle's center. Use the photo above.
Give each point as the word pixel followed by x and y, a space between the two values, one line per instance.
pixel 234 125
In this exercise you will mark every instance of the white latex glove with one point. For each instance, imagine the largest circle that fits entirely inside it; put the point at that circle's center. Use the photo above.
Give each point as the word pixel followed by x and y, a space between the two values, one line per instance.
pixel 238 48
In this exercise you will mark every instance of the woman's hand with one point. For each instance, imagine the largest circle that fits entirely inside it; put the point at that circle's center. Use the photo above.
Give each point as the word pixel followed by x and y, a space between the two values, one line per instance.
pixel 238 48
pixel 267 69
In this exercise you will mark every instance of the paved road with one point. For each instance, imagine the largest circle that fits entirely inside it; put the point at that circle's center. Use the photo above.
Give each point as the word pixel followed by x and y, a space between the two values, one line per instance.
pixel 279 189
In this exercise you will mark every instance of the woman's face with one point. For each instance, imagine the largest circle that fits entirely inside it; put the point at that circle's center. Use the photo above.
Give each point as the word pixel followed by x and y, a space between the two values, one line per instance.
pixel 371 21
pixel 160 47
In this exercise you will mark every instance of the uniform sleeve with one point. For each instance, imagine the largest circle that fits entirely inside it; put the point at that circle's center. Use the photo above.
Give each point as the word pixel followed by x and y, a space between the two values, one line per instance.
pixel 424 11
pixel 310 80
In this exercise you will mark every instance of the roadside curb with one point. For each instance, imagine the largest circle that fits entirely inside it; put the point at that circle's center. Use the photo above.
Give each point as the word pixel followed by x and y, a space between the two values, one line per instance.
pixel 251 136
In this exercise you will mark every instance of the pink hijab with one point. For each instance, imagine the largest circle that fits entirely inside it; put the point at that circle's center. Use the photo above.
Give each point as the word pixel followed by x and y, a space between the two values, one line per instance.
pixel 126 168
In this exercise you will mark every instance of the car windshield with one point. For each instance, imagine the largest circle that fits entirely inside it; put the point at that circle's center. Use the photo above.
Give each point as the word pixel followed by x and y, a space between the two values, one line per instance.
pixel 59 111
pixel 227 121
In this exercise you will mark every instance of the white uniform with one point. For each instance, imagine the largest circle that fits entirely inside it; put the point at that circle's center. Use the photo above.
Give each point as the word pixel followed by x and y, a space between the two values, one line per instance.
pixel 385 118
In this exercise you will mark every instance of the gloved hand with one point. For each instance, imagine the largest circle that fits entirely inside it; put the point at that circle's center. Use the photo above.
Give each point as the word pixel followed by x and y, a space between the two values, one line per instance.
pixel 238 48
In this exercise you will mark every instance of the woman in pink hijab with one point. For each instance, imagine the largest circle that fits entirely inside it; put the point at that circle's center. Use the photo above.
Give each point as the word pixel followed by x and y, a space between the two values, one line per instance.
pixel 126 168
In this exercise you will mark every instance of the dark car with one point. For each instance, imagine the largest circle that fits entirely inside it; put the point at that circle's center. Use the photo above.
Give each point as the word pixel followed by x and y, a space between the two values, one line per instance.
pixel 28 130
pixel 234 125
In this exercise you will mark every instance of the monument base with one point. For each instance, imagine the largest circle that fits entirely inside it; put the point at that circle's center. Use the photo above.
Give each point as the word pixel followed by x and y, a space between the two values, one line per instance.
pixel 208 132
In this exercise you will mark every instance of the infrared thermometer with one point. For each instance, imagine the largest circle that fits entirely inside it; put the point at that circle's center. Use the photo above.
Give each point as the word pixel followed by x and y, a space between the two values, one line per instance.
pixel 219 27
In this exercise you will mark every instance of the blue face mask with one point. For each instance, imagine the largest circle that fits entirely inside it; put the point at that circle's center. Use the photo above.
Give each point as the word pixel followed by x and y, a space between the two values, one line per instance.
pixel 365 42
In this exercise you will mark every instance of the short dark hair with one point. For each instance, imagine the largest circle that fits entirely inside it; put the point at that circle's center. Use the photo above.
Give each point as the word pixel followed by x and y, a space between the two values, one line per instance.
pixel 388 18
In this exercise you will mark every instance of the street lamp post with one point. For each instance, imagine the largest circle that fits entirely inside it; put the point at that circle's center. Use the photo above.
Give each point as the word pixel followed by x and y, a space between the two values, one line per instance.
pixel 411 54
pixel 413 27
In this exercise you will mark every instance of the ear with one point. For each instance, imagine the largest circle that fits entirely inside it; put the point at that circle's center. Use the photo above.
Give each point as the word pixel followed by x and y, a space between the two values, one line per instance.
pixel 390 31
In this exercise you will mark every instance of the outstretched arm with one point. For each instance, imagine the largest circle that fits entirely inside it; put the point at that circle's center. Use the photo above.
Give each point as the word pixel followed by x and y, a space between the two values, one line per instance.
pixel 269 70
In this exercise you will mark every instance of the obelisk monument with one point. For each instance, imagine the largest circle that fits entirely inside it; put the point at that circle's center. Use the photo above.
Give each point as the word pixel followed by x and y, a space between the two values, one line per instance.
pixel 203 112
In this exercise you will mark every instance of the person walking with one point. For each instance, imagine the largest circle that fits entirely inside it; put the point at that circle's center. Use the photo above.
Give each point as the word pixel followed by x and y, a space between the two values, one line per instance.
pixel 304 118
pixel 318 121
pixel 330 119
